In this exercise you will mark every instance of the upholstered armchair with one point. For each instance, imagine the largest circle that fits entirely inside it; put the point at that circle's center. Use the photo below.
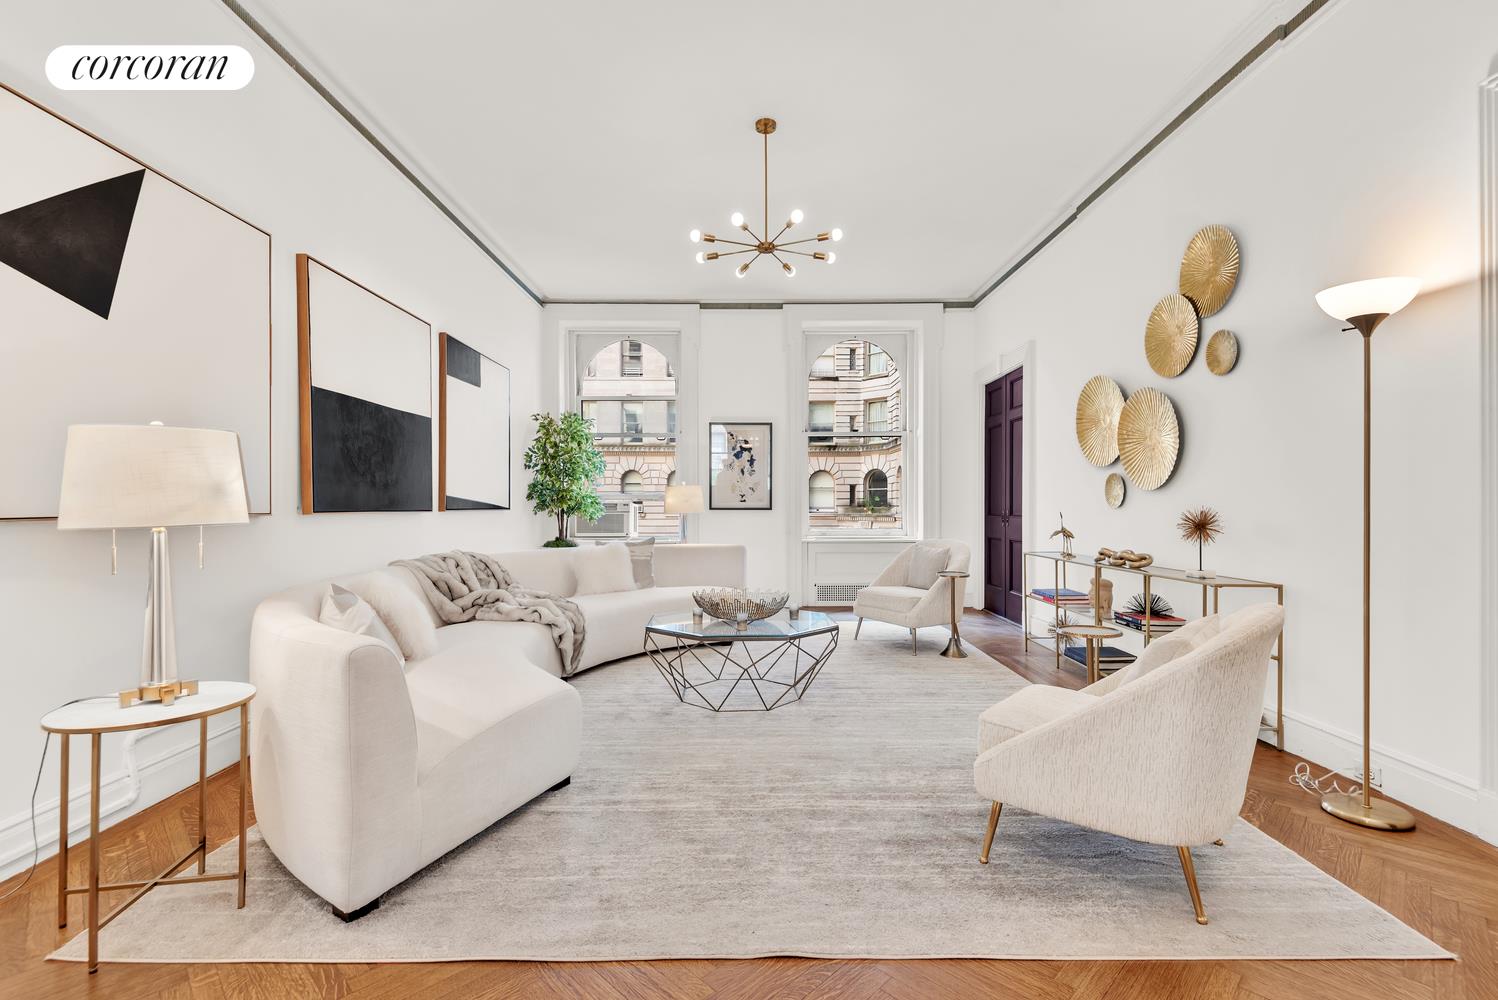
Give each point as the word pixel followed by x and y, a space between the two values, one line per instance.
pixel 1159 752
pixel 909 593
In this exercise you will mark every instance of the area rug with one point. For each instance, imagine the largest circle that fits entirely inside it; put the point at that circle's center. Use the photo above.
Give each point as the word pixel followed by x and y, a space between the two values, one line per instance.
pixel 842 826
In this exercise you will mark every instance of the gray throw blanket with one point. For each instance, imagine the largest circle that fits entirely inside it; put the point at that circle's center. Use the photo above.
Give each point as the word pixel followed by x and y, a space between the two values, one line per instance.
pixel 470 586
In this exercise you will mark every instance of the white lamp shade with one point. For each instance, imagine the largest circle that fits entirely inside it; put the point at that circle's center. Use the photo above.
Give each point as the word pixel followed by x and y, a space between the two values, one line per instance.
pixel 148 476
pixel 1376 296
pixel 684 500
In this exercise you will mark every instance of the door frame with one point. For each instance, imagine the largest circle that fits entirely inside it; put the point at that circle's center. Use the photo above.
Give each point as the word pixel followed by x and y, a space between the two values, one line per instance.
pixel 1022 356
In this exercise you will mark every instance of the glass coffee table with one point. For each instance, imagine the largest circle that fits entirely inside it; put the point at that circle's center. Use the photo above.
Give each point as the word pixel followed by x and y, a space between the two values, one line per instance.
pixel 719 667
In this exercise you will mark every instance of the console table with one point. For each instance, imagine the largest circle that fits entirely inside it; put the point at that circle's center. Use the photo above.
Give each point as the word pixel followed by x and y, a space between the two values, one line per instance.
pixel 1076 568
pixel 93 717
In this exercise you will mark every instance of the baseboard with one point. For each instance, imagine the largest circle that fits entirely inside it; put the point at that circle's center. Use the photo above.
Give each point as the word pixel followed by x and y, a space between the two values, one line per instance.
pixel 1435 790
pixel 1487 815
pixel 157 764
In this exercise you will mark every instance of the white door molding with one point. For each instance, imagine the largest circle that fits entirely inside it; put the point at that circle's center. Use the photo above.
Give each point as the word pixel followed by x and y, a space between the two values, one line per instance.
pixel 1488 436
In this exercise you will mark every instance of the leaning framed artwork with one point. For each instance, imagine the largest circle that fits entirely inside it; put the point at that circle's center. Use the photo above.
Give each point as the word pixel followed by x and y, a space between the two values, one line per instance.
pixel 473 436
pixel 739 465
pixel 125 298
pixel 365 379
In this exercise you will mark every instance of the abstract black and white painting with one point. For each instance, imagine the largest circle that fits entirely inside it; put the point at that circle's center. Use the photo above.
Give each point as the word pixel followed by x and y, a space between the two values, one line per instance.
pixel 474 455
pixel 124 298
pixel 739 466
pixel 366 380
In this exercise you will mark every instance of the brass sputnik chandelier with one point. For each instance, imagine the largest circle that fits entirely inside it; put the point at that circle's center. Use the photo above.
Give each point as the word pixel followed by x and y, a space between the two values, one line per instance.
pixel 766 245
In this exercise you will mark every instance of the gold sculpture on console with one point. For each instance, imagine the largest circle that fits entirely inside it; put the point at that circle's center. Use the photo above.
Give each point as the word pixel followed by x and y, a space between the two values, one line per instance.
pixel 1066 538
pixel 1201 526
pixel 1124 557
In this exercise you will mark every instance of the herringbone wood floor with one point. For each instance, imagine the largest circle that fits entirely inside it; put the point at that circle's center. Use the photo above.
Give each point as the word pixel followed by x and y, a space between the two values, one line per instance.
pixel 1441 881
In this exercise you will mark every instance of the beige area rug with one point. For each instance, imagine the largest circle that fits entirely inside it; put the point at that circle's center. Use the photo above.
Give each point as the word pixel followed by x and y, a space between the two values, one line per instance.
pixel 842 826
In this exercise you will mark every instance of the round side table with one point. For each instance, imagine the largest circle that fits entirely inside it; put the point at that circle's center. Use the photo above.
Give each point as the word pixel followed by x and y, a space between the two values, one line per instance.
pixel 1092 635
pixel 954 645
pixel 93 717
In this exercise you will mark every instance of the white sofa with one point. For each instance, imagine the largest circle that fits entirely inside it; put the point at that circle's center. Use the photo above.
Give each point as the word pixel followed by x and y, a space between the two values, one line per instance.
pixel 365 770
pixel 890 598
pixel 1158 752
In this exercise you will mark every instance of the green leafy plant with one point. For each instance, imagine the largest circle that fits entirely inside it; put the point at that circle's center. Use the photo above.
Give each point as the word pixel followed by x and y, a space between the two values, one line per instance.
pixel 564 464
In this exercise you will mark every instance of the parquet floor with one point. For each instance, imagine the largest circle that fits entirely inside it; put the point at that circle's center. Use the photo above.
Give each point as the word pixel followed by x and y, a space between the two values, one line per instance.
pixel 1439 880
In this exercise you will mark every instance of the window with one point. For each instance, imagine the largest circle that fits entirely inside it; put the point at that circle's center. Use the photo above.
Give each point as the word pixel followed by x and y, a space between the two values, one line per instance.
pixel 634 417
pixel 632 360
pixel 629 392
pixel 822 489
pixel 859 466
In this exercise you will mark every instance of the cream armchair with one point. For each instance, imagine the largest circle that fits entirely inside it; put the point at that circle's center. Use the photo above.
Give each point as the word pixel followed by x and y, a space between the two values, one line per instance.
pixel 1158 752
pixel 909 593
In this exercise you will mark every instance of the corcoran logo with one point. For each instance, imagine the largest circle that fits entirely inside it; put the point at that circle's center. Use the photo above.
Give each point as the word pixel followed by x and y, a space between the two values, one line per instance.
pixel 149 67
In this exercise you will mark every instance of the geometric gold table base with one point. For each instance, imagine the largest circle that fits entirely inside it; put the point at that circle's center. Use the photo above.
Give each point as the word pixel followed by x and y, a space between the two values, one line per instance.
pixel 165 693
pixel 1379 814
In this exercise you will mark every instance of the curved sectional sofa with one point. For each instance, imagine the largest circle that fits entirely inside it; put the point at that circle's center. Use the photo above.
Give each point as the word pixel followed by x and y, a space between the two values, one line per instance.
pixel 366 769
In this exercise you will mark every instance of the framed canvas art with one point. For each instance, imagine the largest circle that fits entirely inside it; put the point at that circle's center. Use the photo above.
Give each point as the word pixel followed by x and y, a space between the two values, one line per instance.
pixel 739 466
pixel 473 442
pixel 365 367
pixel 124 298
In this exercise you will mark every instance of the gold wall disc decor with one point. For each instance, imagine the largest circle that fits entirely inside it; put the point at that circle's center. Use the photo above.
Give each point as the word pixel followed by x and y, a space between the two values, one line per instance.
pixel 1149 438
pixel 1222 352
pixel 1113 490
pixel 1209 268
pixel 1098 407
pixel 1170 335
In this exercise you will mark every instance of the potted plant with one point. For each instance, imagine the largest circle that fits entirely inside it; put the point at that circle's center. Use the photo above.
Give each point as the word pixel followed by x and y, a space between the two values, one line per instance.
pixel 564 464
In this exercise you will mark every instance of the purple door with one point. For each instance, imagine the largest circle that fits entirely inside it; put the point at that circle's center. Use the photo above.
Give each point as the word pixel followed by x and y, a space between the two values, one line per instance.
pixel 1003 480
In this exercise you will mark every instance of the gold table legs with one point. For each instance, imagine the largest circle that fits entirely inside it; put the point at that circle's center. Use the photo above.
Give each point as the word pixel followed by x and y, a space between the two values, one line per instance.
pixel 168 877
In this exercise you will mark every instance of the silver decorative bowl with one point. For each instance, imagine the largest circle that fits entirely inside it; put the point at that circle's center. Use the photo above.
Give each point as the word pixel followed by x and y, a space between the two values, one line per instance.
pixel 727 602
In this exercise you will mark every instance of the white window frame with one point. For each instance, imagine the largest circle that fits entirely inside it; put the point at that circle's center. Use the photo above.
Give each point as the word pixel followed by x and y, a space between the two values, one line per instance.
pixel 673 330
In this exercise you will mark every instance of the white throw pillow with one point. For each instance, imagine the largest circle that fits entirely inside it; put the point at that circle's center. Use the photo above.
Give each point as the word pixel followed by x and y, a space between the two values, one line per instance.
pixel 603 569
pixel 925 562
pixel 403 612
pixel 642 561
pixel 343 609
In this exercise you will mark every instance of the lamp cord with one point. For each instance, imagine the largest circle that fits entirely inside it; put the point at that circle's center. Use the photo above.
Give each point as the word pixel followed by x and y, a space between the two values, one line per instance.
pixel 36 844
pixel 1324 785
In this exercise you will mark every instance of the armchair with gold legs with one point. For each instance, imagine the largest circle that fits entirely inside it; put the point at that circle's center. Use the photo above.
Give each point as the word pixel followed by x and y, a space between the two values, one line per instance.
pixel 1159 753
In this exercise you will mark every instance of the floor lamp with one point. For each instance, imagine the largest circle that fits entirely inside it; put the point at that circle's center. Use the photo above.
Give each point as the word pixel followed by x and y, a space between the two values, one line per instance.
pixel 1364 305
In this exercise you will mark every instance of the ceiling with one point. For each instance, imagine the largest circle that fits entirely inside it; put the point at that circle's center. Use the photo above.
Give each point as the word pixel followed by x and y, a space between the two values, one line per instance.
pixel 584 139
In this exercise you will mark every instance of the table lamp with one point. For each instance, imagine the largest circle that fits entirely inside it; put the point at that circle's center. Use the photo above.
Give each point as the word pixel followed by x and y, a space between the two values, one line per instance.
pixel 684 499
pixel 150 476
pixel 1364 305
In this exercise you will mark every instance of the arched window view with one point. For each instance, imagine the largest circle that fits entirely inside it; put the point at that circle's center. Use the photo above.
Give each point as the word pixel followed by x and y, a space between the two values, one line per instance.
pixel 628 390
pixel 855 441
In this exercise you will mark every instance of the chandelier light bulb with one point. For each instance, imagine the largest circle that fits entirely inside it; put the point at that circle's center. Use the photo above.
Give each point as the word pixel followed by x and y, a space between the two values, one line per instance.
pixel 837 234
pixel 742 270
pixel 695 236
pixel 831 257
pixel 701 257
pixel 790 272
pixel 796 216
pixel 737 219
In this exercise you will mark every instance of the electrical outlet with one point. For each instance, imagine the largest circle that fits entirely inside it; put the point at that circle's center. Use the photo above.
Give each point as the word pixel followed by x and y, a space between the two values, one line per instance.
pixel 1377 779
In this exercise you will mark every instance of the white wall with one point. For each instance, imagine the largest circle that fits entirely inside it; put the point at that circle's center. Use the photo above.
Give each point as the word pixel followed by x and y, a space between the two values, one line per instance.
pixel 1349 152
pixel 277 155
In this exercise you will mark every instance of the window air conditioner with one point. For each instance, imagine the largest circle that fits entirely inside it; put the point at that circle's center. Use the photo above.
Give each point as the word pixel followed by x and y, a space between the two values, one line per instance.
pixel 620 520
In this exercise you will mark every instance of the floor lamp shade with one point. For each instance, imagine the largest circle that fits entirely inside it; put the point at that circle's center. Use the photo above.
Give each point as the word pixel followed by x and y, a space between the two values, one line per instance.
pixel 684 500
pixel 1373 297
pixel 150 476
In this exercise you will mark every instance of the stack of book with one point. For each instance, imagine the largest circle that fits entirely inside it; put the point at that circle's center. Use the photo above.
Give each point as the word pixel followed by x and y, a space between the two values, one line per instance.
pixel 1157 623
pixel 1109 658
pixel 1064 598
